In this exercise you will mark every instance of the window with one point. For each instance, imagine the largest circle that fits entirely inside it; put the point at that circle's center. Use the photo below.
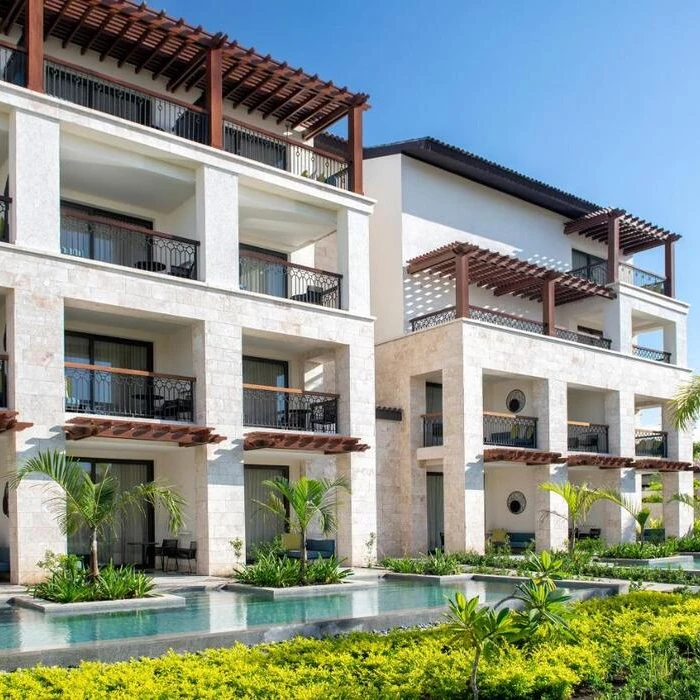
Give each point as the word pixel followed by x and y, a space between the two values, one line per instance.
pixel 260 407
pixel 589 266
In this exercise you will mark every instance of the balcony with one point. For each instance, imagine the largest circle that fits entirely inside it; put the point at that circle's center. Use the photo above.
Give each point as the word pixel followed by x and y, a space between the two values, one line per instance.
pixel 289 409
pixel 276 277
pixel 3 381
pixel 650 443
pixel 5 219
pixel 651 354
pixel 432 429
pixel 122 392
pixel 500 318
pixel 285 154
pixel 510 431
pixel 121 243
pixel 587 437
pixel 642 279
pixel 596 272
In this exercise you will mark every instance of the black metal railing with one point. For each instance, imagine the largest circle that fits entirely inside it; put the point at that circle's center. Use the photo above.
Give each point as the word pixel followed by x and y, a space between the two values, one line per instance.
pixel 13 65
pixel 650 443
pixel 651 354
pixel 432 429
pixel 596 341
pixel 276 277
pixel 5 203
pixel 642 278
pixel 596 272
pixel 285 154
pixel 289 409
pixel 3 381
pixel 499 318
pixel 120 100
pixel 434 318
pixel 510 431
pixel 587 437
pixel 121 243
pixel 122 392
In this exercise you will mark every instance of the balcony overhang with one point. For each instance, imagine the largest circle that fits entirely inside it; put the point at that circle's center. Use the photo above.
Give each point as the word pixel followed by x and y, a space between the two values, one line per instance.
pixel 328 444
pixel 600 461
pixel 522 455
pixel 635 234
pixel 181 53
pixel 662 465
pixel 184 435
pixel 505 274
pixel 9 422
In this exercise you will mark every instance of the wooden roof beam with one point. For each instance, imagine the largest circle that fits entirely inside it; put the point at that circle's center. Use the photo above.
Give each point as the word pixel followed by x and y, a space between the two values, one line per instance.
pixel 124 59
pixel 12 15
pixel 120 35
pixel 77 27
pixel 323 123
pixel 260 66
pixel 274 75
pixel 103 25
pixel 262 103
pixel 159 46
pixel 197 64
pixel 300 107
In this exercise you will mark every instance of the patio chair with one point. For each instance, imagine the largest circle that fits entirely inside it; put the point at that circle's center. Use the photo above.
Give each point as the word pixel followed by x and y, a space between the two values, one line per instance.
pixel 168 550
pixel 185 270
pixel 189 554
pixel 325 415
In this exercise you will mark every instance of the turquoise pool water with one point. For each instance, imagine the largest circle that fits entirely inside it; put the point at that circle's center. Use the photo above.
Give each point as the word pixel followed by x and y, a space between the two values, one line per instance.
pixel 224 611
pixel 686 562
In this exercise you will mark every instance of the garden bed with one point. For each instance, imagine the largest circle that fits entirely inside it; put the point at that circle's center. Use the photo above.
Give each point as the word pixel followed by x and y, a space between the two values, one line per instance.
pixel 153 602
pixel 299 591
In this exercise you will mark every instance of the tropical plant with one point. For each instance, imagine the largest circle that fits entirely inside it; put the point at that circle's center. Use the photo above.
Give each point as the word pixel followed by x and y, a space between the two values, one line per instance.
pixel 237 544
pixel 685 405
pixel 98 505
pixel 272 571
pixel 311 501
pixel 544 569
pixel 437 564
pixel 370 543
pixel 543 613
pixel 579 499
pixel 641 515
pixel 483 630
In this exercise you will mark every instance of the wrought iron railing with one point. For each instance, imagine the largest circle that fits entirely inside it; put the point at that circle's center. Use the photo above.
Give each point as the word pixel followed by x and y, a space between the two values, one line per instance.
pixel 137 105
pixel 124 392
pixel 641 278
pixel 587 437
pixel 3 381
pixel 122 243
pixel 510 431
pixel 289 409
pixel 432 429
pixel 597 341
pixel 651 354
pixel 13 64
pixel 434 318
pixel 650 443
pixel 285 154
pixel 276 277
pixel 500 318
pixel 5 203
pixel 596 272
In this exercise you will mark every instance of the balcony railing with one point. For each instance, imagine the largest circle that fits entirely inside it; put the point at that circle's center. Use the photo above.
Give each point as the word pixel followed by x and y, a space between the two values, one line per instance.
pixel 5 219
pixel 285 154
pixel 587 437
pixel 289 409
pixel 3 381
pixel 651 354
pixel 432 429
pixel 121 243
pixel 137 105
pixel 13 64
pixel 650 443
pixel 597 272
pixel 499 318
pixel 275 277
pixel 642 278
pixel 510 431
pixel 124 392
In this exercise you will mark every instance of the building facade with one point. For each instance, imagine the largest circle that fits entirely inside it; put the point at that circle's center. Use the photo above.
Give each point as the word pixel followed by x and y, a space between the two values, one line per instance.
pixel 513 333
pixel 184 278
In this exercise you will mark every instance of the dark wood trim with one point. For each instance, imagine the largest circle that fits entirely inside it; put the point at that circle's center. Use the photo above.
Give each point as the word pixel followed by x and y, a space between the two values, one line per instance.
pixel 355 153
pixel 130 372
pixel 614 249
pixel 34 32
pixel 670 269
pixel 288 390
pixel 214 97
pixel 549 288
pixel 462 285
pixel 248 253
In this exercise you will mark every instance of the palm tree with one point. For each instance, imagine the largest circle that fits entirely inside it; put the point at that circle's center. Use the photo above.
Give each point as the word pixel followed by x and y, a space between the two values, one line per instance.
pixel 685 405
pixel 579 499
pixel 95 505
pixel 310 500
pixel 640 514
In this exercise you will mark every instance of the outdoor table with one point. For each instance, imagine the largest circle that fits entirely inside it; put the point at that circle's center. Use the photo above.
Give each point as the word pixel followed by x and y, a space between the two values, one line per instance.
pixel 144 550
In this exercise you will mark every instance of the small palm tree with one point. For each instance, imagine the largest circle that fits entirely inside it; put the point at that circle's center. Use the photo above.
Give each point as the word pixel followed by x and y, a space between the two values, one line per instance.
pixel 95 505
pixel 310 501
pixel 641 515
pixel 685 405
pixel 579 499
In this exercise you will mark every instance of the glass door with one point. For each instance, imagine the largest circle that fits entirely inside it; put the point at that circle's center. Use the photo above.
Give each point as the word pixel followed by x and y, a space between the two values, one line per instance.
pixel 263 407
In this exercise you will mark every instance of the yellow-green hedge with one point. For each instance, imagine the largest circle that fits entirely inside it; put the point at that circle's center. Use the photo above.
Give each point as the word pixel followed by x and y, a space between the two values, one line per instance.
pixel 613 634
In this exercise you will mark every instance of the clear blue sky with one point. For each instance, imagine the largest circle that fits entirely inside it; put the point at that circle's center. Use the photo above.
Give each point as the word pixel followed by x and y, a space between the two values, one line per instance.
pixel 598 98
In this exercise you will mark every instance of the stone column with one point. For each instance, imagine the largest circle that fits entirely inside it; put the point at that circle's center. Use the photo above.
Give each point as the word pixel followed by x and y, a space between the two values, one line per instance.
pixel 353 261
pixel 37 390
pixel 552 517
pixel 679 442
pixel 678 517
pixel 217 357
pixel 357 511
pixel 620 417
pixel 675 338
pixel 463 464
pixel 217 226
pixel 619 526
pixel 413 474
pixel 617 324
pixel 35 181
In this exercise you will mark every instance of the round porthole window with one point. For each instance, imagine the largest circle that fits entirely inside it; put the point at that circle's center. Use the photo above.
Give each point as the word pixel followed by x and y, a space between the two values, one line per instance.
pixel 516 502
pixel 515 401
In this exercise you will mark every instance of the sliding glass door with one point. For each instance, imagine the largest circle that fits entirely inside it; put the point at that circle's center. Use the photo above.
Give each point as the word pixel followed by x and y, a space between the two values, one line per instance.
pixel 260 407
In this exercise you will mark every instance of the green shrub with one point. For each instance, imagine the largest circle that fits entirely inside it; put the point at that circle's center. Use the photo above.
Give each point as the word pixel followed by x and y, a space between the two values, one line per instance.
pixel 639 550
pixel 321 571
pixel 118 583
pixel 280 572
pixel 438 564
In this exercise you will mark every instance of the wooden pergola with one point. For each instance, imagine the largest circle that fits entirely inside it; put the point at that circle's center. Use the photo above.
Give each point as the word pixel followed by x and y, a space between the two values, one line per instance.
pixel 503 274
pixel 662 465
pixel 600 461
pixel 183 435
pixel 191 58
pixel 522 455
pixel 626 234
pixel 328 444
pixel 9 422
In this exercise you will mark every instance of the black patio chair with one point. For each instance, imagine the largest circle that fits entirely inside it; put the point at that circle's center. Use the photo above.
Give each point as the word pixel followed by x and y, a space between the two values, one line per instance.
pixel 189 554
pixel 168 550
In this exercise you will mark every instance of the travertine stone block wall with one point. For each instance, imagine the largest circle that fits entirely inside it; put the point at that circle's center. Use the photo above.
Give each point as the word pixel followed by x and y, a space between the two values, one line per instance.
pixel 677 517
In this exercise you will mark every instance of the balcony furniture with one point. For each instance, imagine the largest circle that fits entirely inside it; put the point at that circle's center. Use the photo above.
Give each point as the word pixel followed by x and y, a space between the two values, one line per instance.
pixel 655 535
pixel 520 541
pixel 185 270
pixel 588 442
pixel 180 408
pixel 145 547
pixel 291 541
pixel 168 550
pixel 595 533
pixel 313 295
pixel 315 549
pixel 299 418
pixel 188 554
pixel 325 415
pixel 150 265
pixel 515 437
pixel 499 537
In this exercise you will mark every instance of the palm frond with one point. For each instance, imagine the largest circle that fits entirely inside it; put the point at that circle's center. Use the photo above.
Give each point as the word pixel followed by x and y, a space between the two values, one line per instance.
pixel 685 405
